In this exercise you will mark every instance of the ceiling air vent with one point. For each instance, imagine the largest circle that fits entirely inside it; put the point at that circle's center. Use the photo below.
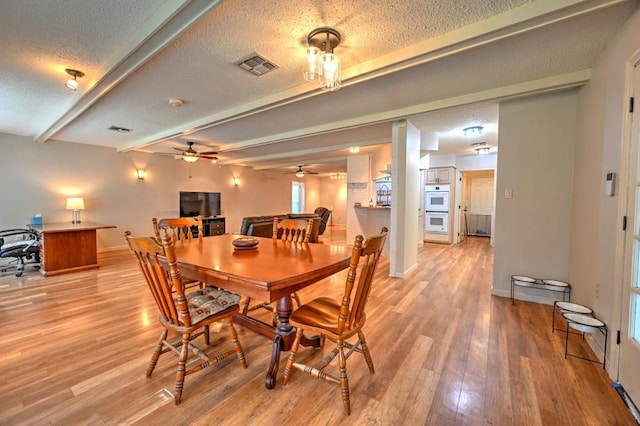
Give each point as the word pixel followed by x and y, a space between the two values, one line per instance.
pixel 119 129
pixel 257 65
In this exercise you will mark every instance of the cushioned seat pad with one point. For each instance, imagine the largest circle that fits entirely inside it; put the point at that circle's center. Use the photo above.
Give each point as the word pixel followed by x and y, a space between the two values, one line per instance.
pixel 209 301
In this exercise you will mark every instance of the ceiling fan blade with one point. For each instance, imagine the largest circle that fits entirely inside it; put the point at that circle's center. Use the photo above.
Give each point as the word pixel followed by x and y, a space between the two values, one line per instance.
pixel 208 157
pixel 209 153
pixel 179 149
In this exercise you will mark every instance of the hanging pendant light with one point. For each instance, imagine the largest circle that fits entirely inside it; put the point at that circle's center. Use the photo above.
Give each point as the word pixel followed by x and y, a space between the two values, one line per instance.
pixel 72 83
pixel 323 64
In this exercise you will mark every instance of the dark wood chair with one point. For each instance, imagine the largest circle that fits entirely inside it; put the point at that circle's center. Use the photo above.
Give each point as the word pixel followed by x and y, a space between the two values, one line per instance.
pixel 181 230
pixel 292 230
pixel 338 321
pixel 188 315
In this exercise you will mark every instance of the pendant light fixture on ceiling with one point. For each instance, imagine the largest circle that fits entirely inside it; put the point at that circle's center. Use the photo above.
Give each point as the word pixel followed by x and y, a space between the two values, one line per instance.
pixel 322 64
pixel 472 131
pixel 72 83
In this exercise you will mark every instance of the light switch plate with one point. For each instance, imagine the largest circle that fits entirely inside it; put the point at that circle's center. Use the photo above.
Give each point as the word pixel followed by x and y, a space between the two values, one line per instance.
pixel 508 193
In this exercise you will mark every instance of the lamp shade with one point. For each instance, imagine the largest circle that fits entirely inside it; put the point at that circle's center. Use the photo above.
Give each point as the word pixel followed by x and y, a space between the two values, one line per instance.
pixel 75 203
pixel 189 157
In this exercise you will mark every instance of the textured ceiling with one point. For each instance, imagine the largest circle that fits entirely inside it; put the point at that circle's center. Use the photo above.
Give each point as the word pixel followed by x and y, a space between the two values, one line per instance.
pixel 416 59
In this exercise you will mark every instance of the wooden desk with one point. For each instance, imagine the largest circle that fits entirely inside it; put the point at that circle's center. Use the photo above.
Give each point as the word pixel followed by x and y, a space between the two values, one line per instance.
pixel 68 247
pixel 269 273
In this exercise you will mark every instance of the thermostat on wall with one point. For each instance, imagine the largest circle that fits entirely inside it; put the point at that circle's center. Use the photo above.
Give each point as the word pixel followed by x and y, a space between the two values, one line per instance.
pixel 610 184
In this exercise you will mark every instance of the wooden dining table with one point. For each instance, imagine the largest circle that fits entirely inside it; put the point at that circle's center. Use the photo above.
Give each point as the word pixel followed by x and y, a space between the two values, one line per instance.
pixel 270 272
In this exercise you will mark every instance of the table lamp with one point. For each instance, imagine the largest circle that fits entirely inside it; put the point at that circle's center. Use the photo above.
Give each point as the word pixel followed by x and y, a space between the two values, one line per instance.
pixel 76 204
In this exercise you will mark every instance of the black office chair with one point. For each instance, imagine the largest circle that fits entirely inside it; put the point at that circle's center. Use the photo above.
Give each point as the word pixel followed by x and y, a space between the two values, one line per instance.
pixel 21 245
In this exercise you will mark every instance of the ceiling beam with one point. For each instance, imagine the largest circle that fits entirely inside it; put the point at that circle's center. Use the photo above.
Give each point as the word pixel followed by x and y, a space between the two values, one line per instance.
pixel 516 21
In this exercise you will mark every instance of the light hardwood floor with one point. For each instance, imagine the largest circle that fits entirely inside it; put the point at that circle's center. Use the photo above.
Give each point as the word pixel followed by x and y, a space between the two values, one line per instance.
pixel 75 349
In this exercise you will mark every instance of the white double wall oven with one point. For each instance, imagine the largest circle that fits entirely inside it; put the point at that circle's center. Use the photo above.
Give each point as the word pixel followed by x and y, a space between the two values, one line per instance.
pixel 436 208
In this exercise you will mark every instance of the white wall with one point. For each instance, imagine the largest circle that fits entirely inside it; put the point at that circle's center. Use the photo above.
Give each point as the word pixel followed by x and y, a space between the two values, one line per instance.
pixel 476 162
pixel 535 160
pixel 333 195
pixel 595 257
pixel 37 178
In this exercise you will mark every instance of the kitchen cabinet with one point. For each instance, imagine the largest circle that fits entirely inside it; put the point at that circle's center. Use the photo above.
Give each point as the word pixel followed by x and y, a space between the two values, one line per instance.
pixel 439 175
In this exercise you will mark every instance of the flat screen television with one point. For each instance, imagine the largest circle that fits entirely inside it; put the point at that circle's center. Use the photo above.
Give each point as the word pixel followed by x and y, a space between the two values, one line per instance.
pixel 206 204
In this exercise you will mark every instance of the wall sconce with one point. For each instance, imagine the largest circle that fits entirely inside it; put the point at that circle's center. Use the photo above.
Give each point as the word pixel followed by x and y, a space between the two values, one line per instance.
pixel 72 83
pixel 76 204
pixel 354 149
pixel 236 181
pixel 322 64
pixel 140 173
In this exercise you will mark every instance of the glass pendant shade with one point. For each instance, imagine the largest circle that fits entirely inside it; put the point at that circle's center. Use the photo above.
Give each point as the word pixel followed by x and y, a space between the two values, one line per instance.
pixel 72 84
pixel 189 158
pixel 311 67
pixel 330 72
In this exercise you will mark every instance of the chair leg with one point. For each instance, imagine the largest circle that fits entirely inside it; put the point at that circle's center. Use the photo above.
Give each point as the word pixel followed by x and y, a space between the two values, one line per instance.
pixel 297 299
pixel 292 355
pixel 245 307
pixel 236 342
pixel 182 366
pixel 206 333
pixel 365 352
pixel 156 352
pixel 344 381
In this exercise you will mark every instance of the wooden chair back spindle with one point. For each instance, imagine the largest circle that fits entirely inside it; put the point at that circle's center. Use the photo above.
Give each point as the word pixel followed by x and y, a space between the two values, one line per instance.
pixel 294 230
pixel 181 227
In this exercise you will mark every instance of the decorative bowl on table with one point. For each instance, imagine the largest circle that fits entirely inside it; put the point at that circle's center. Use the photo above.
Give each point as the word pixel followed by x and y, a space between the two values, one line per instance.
pixel 245 243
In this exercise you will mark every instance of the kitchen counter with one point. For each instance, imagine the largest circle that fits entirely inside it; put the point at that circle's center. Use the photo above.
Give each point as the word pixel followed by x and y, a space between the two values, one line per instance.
pixel 373 208
pixel 371 220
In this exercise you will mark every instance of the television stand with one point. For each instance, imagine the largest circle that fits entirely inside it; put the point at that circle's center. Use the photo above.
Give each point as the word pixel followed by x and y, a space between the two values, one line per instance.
pixel 214 225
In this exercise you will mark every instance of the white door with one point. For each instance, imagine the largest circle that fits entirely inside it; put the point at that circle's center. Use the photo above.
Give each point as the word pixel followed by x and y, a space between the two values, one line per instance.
pixel 482 196
pixel 629 356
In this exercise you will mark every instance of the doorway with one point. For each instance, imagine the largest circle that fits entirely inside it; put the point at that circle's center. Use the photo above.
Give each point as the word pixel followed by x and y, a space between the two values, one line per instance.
pixel 297 197
pixel 629 349
pixel 478 203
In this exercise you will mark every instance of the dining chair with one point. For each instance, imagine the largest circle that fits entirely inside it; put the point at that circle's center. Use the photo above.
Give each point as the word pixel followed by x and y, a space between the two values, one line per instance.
pixel 338 321
pixel 188 315
pixel 182 227
pixel 181 230
pixel 292 230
